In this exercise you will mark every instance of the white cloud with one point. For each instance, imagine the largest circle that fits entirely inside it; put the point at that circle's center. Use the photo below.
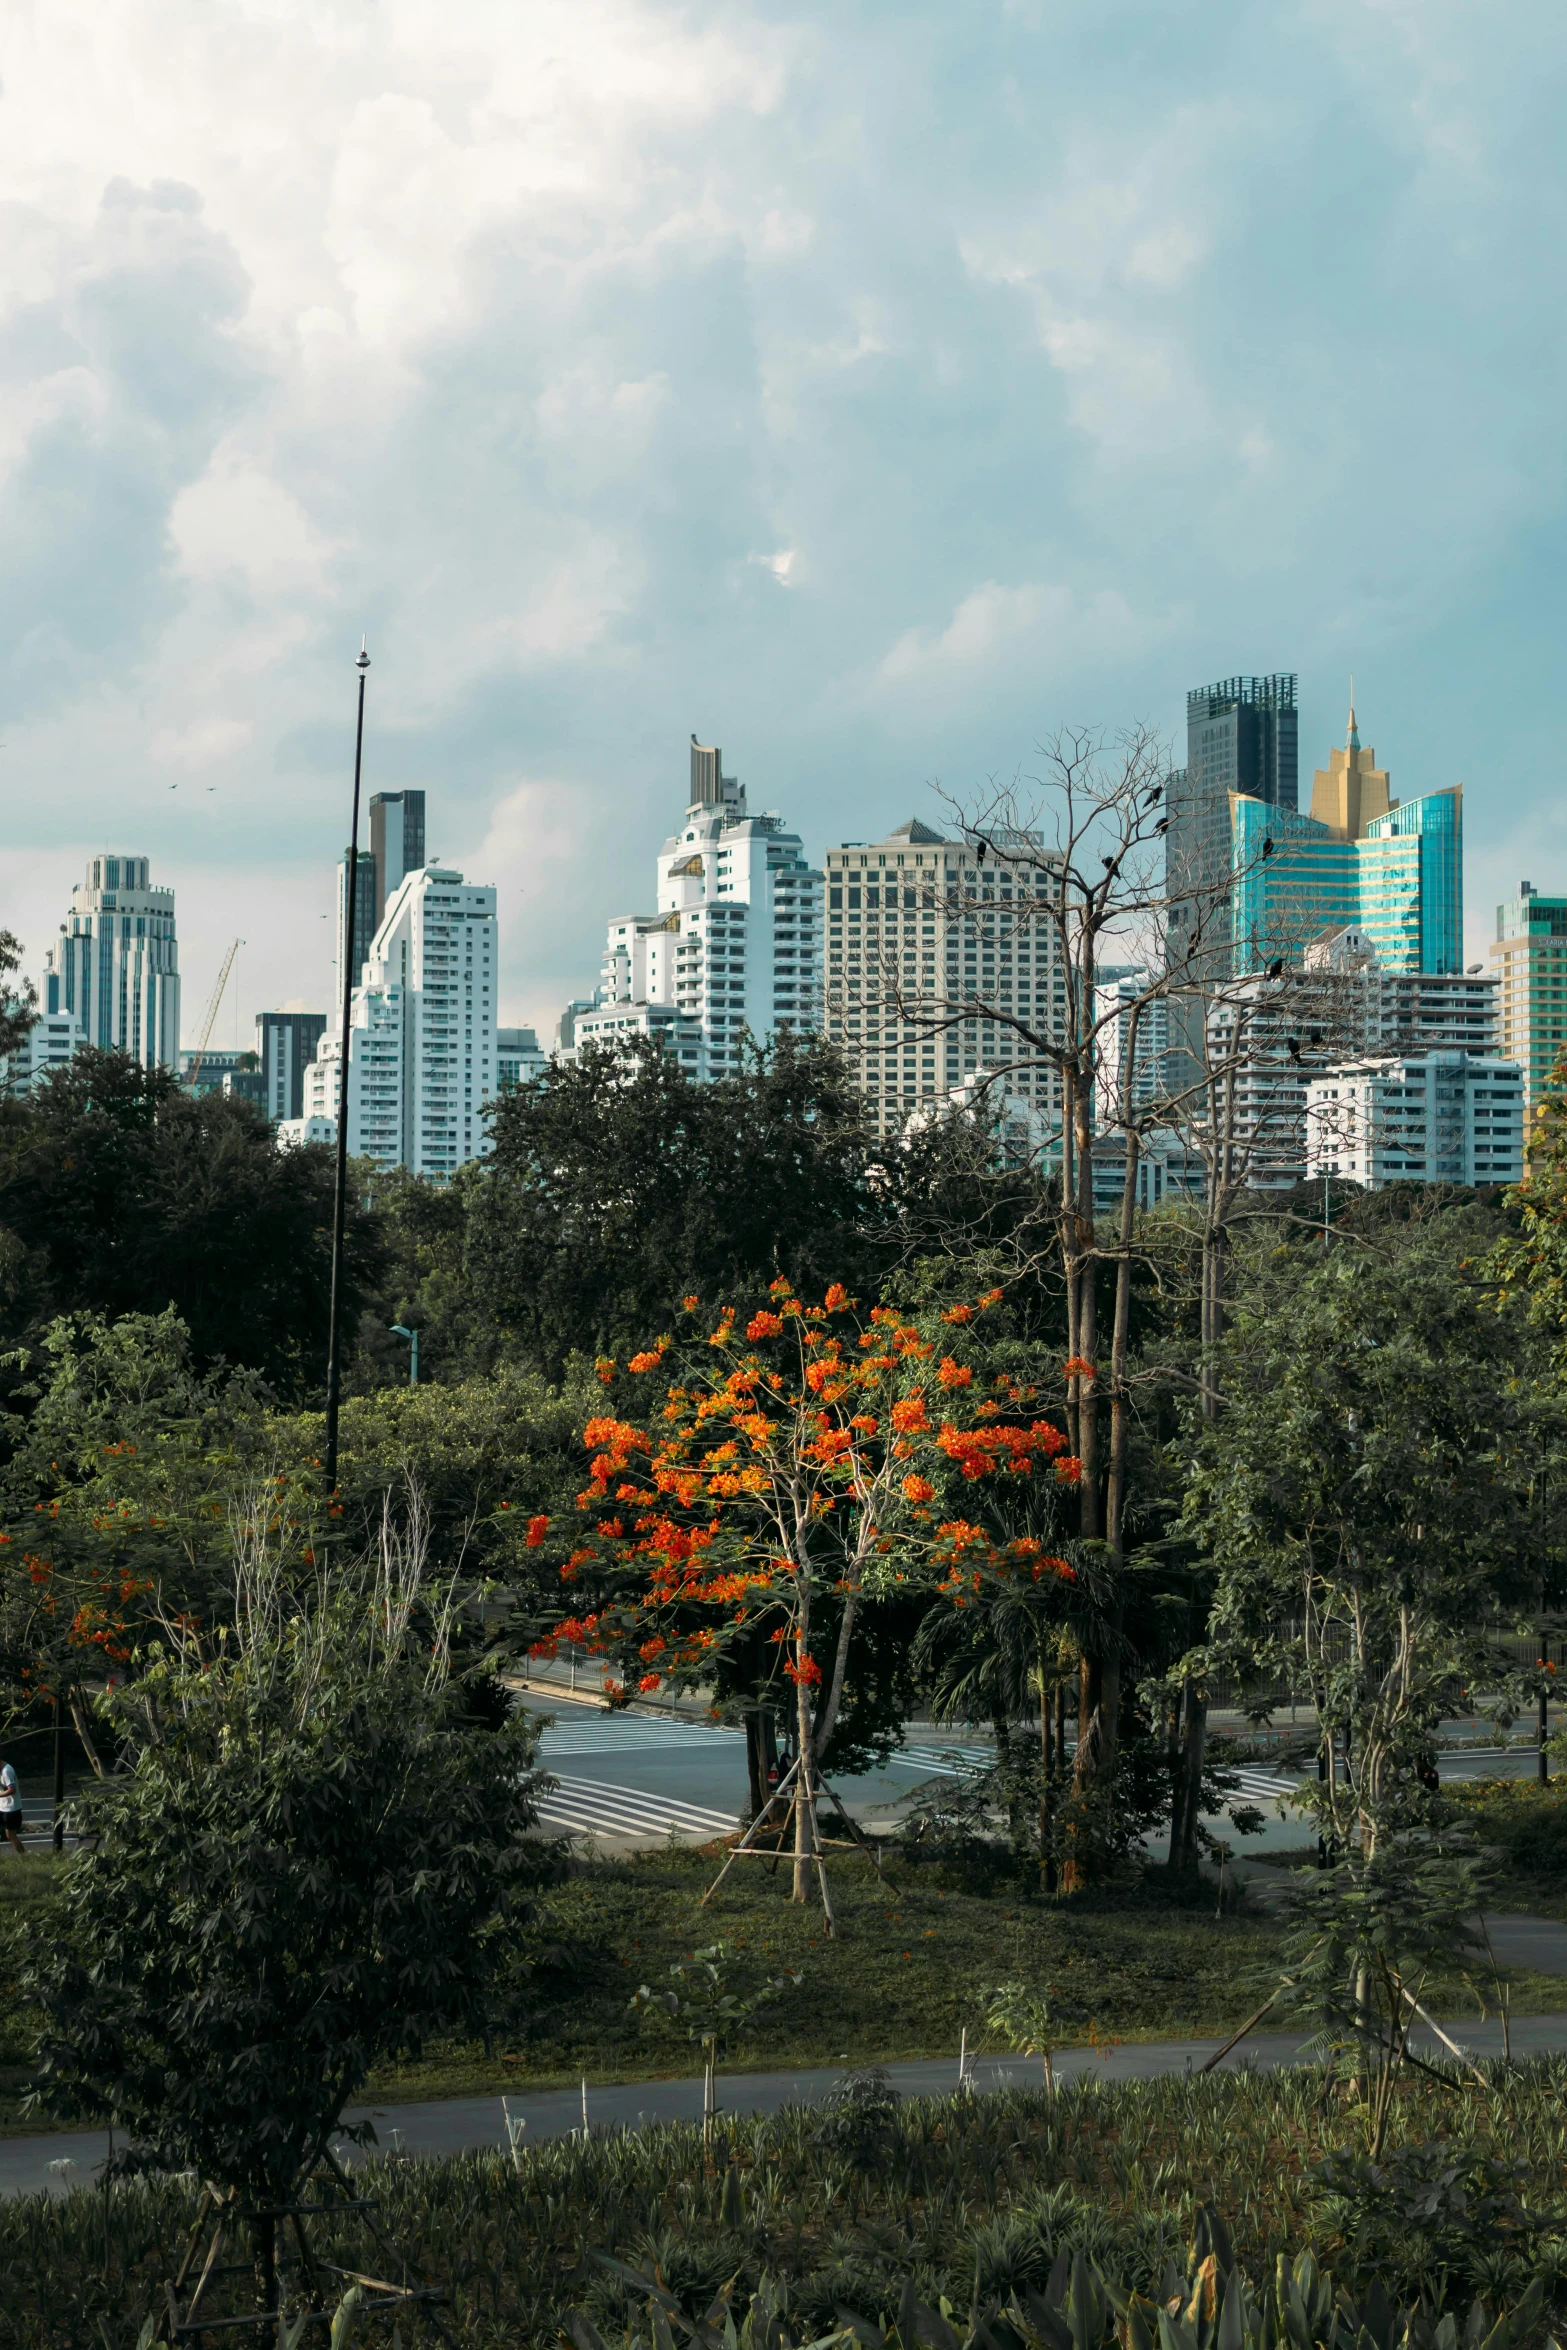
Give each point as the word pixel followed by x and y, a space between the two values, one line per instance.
pixel 1051 364
pixel 994 627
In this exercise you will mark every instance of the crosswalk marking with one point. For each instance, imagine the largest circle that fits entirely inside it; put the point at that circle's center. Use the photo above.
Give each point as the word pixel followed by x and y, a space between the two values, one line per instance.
pixel 611 1736
pixel 595 1807
pixel 1263 1783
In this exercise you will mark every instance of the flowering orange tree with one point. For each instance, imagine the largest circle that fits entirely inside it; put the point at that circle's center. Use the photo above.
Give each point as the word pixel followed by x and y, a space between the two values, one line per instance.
pixel 806 1460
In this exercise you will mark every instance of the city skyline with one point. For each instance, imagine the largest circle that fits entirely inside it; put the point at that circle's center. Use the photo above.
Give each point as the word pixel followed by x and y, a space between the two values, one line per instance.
pixel 870 408
pixel 542 1012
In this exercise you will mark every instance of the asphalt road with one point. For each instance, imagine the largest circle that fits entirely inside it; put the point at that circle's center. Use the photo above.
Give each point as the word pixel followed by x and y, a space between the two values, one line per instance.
pixel 462 2125
pixel 628 1778
pixel 633 1778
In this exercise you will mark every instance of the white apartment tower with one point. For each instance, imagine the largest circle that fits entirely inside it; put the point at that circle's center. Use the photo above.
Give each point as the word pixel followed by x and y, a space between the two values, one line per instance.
pixel 115 964
pixel 735 945
pixel 422 1050
pixel 1437 1117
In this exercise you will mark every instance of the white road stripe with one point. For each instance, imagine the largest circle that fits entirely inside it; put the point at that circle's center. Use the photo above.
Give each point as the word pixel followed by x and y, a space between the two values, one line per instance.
pixel 1260 1782
pixel 629 1811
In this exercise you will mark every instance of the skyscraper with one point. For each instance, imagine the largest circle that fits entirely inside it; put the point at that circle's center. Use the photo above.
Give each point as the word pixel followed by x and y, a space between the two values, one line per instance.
pixel 1391 869
pixel 734 946
pixel 353 948
pixel 1352 790
pixel 396 844
pixel 115 964
pixel 1242 735
pixel 421 1064
pixel 285 1046
pixel 917 925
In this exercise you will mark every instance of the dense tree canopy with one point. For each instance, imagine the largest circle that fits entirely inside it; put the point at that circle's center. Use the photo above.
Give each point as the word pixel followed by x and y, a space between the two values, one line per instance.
pixel 621 1183
pixel 121 1193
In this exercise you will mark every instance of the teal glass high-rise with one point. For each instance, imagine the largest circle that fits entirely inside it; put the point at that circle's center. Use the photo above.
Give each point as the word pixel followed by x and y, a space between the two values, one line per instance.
pixel 1393 870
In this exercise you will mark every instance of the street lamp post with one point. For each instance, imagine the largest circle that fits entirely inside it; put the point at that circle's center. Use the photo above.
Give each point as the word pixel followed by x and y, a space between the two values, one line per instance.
pixel 340 1200
pixel 401 1330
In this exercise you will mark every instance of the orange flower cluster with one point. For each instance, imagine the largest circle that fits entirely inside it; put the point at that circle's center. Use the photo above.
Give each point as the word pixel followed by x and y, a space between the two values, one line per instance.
pixel 809 1451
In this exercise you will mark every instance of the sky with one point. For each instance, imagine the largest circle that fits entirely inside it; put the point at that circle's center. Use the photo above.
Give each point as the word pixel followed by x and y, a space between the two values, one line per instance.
pixel 868 387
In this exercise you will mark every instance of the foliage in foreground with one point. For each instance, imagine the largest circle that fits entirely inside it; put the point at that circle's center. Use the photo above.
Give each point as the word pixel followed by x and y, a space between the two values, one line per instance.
pixel 971 2199
pixel 306 1860
pixel 1214 2305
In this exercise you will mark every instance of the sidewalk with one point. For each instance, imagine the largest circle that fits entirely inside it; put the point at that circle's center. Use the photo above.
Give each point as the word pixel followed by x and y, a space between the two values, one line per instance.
pixel 462 2125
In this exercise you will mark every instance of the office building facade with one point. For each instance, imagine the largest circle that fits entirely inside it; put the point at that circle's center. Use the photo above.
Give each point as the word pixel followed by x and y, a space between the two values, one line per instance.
pixel 396 844
pixel 1424 1118
pixel 1242 737
pixel 1273 1038
pixel 1529 957
pixel 353 938
pixel 285 1047
pixel 115 964
pixel 923 940
pixel 733 947
pixel 519 1058
pixel 397 826
pixel 422 1034
pixel 50 1044
pixel 1362 859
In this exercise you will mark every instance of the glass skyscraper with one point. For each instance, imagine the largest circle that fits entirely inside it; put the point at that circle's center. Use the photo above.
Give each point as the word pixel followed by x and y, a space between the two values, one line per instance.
pixel 1402 884
pixel 1242 736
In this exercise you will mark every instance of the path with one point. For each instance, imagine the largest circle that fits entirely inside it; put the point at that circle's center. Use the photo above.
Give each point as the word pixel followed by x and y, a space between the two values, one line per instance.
pixel 462 2125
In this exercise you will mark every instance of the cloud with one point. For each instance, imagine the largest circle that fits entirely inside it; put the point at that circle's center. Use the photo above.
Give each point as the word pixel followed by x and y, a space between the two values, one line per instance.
pixel 1052 360
pixel 1058 631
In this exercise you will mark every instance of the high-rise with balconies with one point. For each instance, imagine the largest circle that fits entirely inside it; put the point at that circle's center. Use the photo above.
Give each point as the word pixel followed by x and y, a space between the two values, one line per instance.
pixel 422 1031
pixel 734 947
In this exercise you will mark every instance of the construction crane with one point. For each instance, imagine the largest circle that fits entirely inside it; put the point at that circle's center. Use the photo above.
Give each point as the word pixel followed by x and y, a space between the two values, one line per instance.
pixel 210 1021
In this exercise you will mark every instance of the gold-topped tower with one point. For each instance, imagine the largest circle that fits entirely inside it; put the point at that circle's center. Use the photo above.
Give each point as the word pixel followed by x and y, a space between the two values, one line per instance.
pixel 1352 788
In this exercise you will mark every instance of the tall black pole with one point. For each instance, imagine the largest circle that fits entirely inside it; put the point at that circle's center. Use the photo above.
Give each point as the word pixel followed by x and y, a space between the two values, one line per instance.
pixel 59 1775
pixel 340 1201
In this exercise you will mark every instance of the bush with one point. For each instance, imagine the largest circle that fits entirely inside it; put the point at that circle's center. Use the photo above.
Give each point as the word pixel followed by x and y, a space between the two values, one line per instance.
pixel 1524 1823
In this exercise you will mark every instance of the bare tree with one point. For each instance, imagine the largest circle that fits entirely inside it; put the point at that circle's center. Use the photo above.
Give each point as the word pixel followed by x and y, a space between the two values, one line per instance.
pixel 1054 875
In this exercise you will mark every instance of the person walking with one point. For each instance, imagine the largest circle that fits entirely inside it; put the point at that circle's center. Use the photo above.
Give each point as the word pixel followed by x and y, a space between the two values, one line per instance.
pixel 10 1807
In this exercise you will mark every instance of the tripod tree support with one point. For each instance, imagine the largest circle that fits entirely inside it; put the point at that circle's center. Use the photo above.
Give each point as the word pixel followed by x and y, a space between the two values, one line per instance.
pixel 791 1465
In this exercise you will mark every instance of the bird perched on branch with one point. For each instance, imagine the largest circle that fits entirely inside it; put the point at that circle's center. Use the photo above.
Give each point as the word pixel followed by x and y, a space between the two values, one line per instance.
pixel 1267 848
pixel 1276 968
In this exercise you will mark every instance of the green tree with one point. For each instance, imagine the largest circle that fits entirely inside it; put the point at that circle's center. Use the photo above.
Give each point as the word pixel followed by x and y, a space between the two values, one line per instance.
pixel 18 1005
pixel 306 1861
pixel 120 1193
pixel 116 1502
pixel 620 1184
pixel 1377 1499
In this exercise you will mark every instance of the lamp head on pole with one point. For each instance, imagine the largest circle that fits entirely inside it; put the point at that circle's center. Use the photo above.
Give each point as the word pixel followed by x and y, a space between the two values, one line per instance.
pixel 363 662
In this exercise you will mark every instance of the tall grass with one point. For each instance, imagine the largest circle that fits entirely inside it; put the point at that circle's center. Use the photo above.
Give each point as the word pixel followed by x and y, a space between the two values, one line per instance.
pixel 969 2196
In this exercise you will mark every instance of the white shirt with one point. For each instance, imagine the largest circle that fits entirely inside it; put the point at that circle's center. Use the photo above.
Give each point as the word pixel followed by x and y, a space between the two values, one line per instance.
pixel 10 1793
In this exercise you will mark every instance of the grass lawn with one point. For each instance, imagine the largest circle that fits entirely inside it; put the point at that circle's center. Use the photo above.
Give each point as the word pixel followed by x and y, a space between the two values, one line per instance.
pixel 907 1972
pixel 905 1975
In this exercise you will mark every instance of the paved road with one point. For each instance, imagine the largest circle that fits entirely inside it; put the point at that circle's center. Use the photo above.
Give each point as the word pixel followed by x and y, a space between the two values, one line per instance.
pixel 635 1778
pixel 461 2125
